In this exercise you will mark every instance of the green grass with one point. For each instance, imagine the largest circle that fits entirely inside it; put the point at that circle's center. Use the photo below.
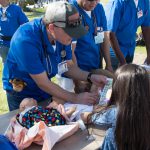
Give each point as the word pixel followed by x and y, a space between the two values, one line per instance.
pixel 3 102
pixel 37 12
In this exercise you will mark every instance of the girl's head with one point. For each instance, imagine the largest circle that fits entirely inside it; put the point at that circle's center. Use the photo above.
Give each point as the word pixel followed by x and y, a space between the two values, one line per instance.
pixel 131 93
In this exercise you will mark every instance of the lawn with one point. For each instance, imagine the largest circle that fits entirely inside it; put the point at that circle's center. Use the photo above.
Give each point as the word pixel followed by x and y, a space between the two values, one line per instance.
pixel 140 51
pixel 38 12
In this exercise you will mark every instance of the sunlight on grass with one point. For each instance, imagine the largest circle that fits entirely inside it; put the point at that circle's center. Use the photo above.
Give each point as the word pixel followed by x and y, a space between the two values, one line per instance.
pixel 3 101
pixel 141 49
pixel 35 13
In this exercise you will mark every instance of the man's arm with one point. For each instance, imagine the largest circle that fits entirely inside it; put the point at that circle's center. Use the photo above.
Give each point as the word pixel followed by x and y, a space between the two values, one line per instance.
pixel 105 46
pixel 76 73
pixel 146 36
pixel 115 46
pixel 51 88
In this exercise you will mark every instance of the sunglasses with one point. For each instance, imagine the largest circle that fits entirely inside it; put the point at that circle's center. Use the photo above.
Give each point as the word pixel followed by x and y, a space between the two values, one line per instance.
pixel 70 23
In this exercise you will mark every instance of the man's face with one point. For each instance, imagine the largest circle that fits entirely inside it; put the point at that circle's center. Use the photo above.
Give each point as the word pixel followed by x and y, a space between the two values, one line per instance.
pixel 60 35
pixel 88 5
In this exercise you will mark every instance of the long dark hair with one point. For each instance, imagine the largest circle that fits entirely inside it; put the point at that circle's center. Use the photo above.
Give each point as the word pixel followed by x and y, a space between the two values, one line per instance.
pixel 131 91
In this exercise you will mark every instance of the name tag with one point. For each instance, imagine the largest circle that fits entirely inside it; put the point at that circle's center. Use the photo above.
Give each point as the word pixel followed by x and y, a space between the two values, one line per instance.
pixel 62 67
pixel 140 14
pixel 99 38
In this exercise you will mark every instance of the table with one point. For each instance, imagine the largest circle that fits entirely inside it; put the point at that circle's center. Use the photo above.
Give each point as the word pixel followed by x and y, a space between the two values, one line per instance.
pixel 77 141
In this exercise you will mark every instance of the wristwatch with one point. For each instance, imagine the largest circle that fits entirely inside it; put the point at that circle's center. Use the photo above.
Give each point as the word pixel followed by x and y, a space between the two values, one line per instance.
pixel 89 77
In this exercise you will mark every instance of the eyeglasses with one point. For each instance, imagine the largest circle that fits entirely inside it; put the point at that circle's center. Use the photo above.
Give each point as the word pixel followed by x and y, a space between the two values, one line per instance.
pixel 69 23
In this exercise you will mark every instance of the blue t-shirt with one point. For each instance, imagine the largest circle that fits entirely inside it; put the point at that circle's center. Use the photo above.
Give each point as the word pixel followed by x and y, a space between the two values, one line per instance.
pixel 124 18
pixel 86 51
pixel 27 56
pixel 64 53
pixel 107 119
pixel 109 141
pixel 5 144
pixel 15 17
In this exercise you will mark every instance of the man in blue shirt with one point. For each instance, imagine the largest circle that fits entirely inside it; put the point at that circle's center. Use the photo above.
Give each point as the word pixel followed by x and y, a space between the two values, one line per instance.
pixel 123 19
pixel 90 48
pixel 32 60
pixel 11 17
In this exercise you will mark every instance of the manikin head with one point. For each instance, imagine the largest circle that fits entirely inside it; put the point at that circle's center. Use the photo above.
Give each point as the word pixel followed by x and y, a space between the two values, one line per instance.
pixel 26 103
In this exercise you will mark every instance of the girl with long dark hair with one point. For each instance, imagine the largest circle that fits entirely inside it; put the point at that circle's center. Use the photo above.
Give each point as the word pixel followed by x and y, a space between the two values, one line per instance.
pixel 131 95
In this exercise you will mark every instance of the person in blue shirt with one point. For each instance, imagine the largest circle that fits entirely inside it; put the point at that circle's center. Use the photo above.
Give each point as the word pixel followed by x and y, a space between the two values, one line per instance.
pixel 6 144
pixel 131 129
pixel 32 58
pixel 123 19
pixel 89 49
pixel 11 17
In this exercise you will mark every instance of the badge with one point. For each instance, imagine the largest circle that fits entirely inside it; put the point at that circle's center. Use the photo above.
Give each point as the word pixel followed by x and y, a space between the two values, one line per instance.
pixel 63 54
pixel 62 67
pixel 99 38
pixel 18 84
pixel 139 13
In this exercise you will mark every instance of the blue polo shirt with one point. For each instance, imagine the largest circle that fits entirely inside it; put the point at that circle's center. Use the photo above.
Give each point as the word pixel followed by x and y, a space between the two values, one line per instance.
pixel 27 56
pixel 15 17
pixel 6 144
pixel 68 52
pixel 123 19
pixel 86 51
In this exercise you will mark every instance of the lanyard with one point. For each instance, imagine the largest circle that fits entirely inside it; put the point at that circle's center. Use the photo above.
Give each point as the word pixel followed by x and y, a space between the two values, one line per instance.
pixel 63 53
pixel 84 20
pixel 3 10
pixel 46 55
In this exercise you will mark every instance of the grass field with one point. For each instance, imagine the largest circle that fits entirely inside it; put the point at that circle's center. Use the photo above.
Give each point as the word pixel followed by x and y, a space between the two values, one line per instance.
pixel 35 13
pixel 140 53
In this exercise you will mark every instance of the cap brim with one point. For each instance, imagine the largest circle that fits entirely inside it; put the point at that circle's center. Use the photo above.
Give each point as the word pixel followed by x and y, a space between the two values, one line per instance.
pixel 75 32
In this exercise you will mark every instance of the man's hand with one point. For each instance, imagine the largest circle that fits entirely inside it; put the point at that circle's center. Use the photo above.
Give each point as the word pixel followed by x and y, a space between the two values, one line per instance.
pixel 87 98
